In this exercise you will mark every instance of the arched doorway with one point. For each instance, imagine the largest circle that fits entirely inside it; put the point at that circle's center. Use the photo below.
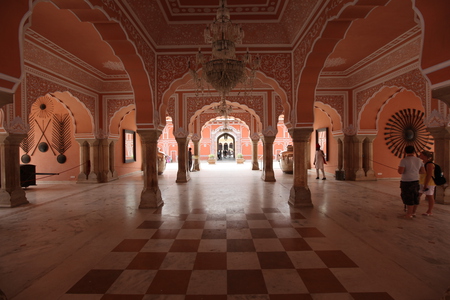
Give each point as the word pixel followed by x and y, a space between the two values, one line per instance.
pixel 226 144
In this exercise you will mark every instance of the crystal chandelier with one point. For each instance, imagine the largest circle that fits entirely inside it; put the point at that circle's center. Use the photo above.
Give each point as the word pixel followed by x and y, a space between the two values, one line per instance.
pixel 224 71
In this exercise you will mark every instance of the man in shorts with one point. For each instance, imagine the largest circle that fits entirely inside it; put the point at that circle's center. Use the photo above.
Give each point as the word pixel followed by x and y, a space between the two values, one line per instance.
pixel 410 167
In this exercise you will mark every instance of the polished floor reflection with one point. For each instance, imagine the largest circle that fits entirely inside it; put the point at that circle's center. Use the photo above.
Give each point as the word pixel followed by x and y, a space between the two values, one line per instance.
pixel 225 234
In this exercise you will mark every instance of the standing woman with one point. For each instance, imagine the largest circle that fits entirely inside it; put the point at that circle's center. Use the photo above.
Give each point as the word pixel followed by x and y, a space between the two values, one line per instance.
pixel 426 181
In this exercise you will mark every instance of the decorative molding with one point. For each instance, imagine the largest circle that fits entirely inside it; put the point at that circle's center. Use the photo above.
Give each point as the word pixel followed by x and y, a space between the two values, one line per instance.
pixel 270 131
pixel 436 119
pixel 350 130
pixel 17 126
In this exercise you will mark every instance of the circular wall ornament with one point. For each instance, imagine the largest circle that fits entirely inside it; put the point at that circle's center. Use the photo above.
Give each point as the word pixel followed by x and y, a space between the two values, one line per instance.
pixel 25 158
pixel 406 128
pixel 61 158
pixel 43 147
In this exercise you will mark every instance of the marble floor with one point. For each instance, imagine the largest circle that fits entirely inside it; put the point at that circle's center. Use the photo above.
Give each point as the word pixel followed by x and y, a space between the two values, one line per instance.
pixel 225 234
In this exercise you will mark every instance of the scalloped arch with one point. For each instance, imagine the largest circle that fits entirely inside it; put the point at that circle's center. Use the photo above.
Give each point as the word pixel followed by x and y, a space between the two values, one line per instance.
pixel 116 119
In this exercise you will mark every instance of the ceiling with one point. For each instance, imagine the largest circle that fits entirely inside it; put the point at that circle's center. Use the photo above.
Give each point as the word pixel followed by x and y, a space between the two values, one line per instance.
pixel 269 26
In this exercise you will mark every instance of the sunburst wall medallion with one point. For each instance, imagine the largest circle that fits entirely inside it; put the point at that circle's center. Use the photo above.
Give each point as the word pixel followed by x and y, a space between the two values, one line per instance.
pixel 406 128
pixel 42 107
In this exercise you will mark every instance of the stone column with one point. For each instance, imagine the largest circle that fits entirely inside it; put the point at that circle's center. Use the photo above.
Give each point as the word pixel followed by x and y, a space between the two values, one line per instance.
pixel 11 193
pixel 84 160
pixel 93 176
pixel 268 174
pixel 349 157
pixel 358 156
pixel 255 140
pixel 368 157
pixel 151 194
pixel 300 195
pixel 441 137
pixel 182 174
pixel 112 155
pixel 196 156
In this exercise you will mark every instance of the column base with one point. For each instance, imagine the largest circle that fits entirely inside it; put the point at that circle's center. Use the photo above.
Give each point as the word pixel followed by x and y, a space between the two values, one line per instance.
pixel 16 198
pixel 182 177
pixel 442 195
pixel 255 166
pixel 268 176
pixel 300 197
pixel 151 198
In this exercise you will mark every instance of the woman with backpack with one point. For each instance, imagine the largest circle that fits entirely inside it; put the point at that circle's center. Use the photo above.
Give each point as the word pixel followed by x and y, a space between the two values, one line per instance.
pixel 427 185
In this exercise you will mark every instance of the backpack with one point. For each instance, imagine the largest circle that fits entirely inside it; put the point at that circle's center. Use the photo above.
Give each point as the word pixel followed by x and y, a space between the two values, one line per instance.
pixel 438 177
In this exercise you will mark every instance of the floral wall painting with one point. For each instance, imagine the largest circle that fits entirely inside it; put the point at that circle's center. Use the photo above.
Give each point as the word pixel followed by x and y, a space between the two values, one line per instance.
pixel 129 143
pixel 322 140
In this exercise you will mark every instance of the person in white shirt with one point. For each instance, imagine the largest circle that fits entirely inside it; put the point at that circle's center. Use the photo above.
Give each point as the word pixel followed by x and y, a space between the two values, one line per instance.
pixel 410 167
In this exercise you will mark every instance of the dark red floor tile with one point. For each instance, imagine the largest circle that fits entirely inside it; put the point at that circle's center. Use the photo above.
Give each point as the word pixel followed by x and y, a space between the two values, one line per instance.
pixel 216 217
pixel 275 260
pixel 150 225
pixel 241 245
pixel 130 245
pixel 147 261
pixel 280 223
pixel 291 297
pixel 185 246
pixel 335 259
pixel 245 282
pixel 236 210
pixel 270 210
pixel 193 225
pixel 297 216
pixel 371 296
pixel 172 282
pixel 263 233
pixel 205 297
pixel 95 282
pixel 256 217
pixel 309 232
pixel 165 234
pixel 122 297
pixel 238 224
pixel 321 281
pixel 214 234
pixel 211 261
pixel 295 244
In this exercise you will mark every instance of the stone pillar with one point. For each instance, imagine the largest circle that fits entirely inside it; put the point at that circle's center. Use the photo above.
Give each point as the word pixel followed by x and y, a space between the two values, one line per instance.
pixel 368 157
pixel 151 194
pixel 11 193
pixel 349 157
pixel 255 140
pixel 84 160
pixel 300 195
pixel 93 176
pixel 358 141
pixel 196 156
pixel 441 137
pixel 112 155
pixel 268 174
pixel 182 174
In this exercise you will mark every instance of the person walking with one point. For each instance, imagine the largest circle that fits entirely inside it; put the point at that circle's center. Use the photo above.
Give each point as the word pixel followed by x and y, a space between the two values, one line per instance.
pixel 410 167
pixel 427 185
pixel 320 162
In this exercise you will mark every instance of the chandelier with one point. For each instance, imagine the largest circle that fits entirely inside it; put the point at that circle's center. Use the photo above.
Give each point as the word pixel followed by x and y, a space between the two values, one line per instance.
pixel 224 71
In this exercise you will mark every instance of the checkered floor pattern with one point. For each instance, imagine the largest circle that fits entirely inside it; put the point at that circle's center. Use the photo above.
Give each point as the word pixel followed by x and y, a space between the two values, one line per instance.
pixel 229 254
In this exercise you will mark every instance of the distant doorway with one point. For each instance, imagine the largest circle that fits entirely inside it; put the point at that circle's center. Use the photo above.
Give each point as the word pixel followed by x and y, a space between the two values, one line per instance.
pixel 226 147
